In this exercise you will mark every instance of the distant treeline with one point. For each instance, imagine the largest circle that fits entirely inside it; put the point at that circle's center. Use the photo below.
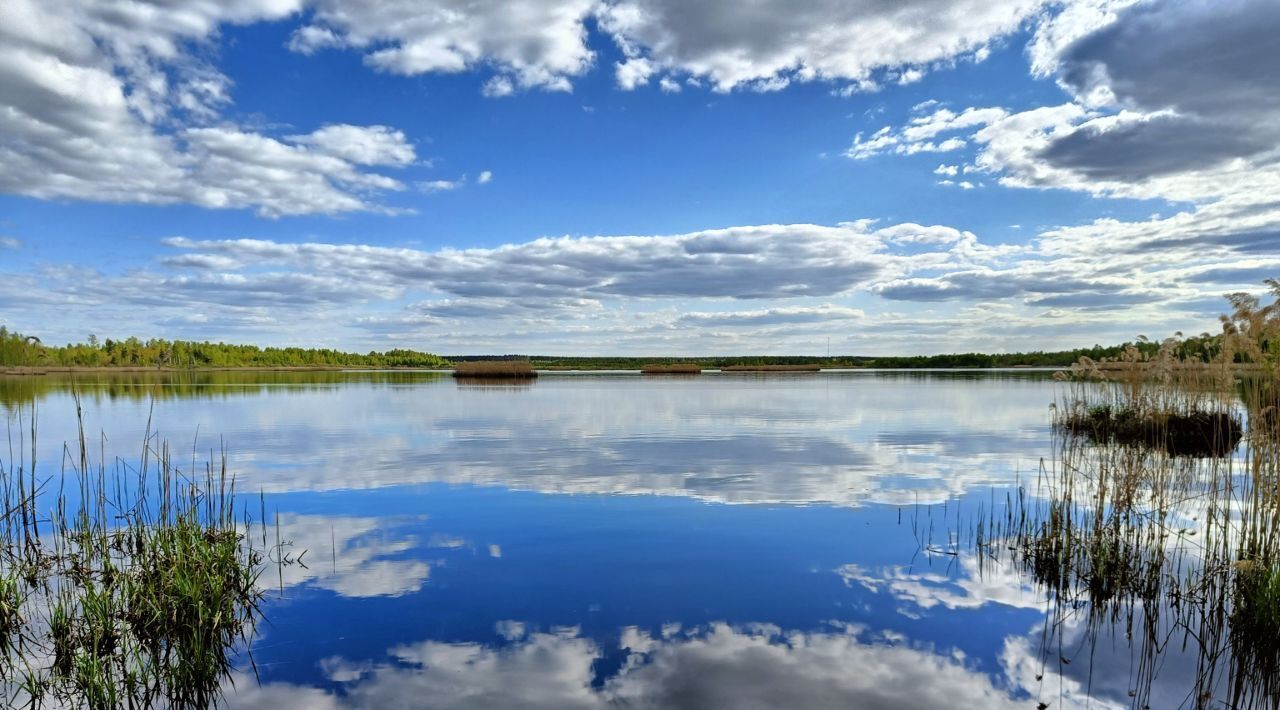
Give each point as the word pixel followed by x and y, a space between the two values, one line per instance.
pixel 1036 358
pixel 17 350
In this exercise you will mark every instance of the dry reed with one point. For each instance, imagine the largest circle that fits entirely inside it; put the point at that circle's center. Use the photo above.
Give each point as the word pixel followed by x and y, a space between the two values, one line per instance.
pixel 1149 542
pixel 495 369
pixel 771 368
pixel 675 368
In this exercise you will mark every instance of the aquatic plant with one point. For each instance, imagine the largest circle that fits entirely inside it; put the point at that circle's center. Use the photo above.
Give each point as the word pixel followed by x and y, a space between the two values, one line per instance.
pixel 131 586
pixel 673 368
pixel 808 367
pixel 495 368
pixel 1155 523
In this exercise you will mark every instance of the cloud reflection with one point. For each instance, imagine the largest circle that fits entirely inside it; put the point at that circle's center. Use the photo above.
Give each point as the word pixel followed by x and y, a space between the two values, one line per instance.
pixel 842 441
pixel 350 556
pixel 720 665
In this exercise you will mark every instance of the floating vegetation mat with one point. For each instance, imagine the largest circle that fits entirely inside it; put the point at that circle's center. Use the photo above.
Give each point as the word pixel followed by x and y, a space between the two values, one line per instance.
pixel 131 584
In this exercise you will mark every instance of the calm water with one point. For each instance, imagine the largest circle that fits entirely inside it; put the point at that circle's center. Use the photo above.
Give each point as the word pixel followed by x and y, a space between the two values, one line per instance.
pixel 595 540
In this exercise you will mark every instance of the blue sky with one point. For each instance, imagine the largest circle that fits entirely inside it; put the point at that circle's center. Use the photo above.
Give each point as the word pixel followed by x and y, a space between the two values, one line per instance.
pixel 635 176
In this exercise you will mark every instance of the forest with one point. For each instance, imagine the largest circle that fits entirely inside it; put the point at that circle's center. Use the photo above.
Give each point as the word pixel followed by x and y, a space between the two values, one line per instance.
pixel 18 350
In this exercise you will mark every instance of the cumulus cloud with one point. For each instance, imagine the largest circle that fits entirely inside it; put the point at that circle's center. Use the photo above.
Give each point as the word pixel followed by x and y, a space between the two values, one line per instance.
pixel 646 293
pixel 1166 103
pixel 769 261
pixel 362 145
pixel 776 42
pixel 528 44
pixel 545 44
pixel 103 102
pixel 1160 107
pixel 922 134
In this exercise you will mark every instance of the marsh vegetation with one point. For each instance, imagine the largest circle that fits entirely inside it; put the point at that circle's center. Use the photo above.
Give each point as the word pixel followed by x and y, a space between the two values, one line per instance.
pixel 496 369
pixel 1156 523
pixel 671 368
pixel 122 584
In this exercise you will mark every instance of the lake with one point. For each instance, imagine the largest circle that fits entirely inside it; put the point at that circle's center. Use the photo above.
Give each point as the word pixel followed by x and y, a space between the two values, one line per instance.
pixel 590 540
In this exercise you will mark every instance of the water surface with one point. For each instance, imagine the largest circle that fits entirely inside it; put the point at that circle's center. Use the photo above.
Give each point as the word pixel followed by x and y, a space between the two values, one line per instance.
pixel 596 540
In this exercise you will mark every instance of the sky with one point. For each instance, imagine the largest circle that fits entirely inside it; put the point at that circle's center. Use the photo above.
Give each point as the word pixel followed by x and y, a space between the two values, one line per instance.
pixel 636 177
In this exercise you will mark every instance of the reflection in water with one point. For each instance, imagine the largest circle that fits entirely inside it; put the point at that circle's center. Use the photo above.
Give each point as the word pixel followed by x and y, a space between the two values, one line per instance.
pixel 350 556
pixel 491 383
pixel 968 587
pixel 842 439
pixel 717 666
pixel 640 593
pixel 18 390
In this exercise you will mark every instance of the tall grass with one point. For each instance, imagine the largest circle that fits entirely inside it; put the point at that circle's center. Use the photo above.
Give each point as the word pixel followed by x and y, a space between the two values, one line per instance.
pixel 1156 522
pixel 124 585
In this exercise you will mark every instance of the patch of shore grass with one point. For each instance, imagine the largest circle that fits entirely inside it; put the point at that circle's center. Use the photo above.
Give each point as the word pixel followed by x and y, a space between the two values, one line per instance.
pixel 132 586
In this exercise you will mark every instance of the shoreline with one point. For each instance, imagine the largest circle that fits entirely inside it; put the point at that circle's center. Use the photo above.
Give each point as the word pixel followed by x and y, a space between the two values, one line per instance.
pixel 35 371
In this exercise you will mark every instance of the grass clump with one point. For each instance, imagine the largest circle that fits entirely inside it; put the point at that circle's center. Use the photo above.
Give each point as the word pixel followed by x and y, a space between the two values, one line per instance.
pixel 133 586
pixel 1190 433
pixel 1255 623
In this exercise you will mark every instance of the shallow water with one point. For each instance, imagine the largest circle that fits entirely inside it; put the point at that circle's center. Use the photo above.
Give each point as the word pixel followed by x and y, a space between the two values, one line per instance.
pixel 590 540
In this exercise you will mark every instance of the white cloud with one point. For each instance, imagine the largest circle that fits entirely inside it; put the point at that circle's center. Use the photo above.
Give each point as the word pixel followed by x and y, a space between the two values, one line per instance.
pixel 10 243
pixel 776 42
pixel 498 87
pixel 440 185
pixel 910 76
pixel 921 134
pixel 484 178
pixel 766 261
pixel 1159 111
pixel 826 313
pixel 544 44
pixel 633 72
pixel 102 102
pixel 576 293
pixel 529 44
pixel 362 145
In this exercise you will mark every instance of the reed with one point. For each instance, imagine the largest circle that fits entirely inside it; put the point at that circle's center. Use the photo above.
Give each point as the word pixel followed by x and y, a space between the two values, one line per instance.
pixel 513 369
pixel 133 585
pixel 811 367
pixel 675 368
pixel 1156 520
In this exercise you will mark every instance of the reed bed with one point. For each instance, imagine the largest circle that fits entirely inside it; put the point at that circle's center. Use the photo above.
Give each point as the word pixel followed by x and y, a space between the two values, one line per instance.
pixel 812 367
pixel 676 368
pixel 128 585
pixel 1156 520
pixel 511 369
